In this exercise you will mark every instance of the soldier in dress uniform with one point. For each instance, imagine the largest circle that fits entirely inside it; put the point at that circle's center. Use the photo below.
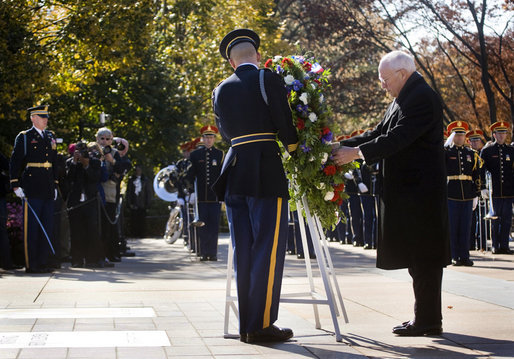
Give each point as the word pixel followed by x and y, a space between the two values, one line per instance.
pixel 499 161
pixel 478 225
pixel 354 187
pixel 463 166
pixel 185 187
pixel 33 178
pixel 251 110
pixel 206 167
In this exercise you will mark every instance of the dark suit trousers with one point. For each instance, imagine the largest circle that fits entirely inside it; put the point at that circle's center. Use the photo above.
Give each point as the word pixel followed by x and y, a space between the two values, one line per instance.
pixel 37 247
pixel 426 281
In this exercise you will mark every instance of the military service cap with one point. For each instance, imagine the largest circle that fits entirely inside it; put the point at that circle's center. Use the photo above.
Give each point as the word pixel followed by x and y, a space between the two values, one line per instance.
pixel 208 130
pixel 474 134
pixel 41 110
pixel 457 127
pixel 500 126
pixel 356 133
pixel 342 137
pixel 236 37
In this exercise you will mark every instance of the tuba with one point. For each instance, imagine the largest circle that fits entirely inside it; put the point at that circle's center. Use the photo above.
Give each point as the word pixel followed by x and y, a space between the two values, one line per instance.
pixel 165 186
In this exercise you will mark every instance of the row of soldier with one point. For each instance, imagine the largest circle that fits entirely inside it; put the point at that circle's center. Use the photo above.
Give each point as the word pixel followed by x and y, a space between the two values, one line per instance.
pixel 83 189
pixel 469 160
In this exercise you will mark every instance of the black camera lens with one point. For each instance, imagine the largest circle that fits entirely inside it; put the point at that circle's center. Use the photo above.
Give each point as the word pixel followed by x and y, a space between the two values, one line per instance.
pixel 107 149
pixel 120 146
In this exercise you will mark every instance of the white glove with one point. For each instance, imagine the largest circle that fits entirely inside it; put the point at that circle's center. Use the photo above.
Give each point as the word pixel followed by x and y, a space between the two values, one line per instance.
pixel 55 195
pixel 348 175
pixel 192 197
pixel 475 202
pixel 19 192
pixel 362 188
pixel 485 193
pixel 180 202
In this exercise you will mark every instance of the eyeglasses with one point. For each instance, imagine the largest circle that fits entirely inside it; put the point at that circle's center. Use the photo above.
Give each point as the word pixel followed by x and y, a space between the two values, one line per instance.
pixel 387 79
pixel 106 138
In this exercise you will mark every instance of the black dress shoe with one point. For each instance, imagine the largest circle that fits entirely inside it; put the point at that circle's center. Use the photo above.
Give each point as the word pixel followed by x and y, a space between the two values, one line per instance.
pixel 128 254
pixel 108 264
pixel 242 337
pixel 367 246
pixel 269 334
pixel 411 330
pixel 213 258
pixel 507 251
pixel 33 271
pixel 204 258
pixel 77 265
pixel 114 259
pixel 456 262
pixel 300 256
pixel 357 244
pixel 12 267
pixel 467 262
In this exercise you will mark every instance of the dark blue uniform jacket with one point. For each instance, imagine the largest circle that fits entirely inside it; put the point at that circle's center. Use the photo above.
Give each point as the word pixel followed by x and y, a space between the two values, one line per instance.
pixel 254 169
pixel 499 160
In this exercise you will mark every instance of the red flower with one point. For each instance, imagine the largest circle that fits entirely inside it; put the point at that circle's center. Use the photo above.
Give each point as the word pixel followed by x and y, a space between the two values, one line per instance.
pixel 268 63
pixel 286 62
pixel 300 124
pixel 336 197
pixel 307 66
pixel 340 202
pixel 317 81
pixel 339 187
pixel 330 170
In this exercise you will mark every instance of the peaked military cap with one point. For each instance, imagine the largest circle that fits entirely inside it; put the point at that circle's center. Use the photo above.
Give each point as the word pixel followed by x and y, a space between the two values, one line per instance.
pixel 208 130
pixel 458 127
pixel 500 126
pixel 236 37
pixel 356 133
pixel 474 134
pixel 41 110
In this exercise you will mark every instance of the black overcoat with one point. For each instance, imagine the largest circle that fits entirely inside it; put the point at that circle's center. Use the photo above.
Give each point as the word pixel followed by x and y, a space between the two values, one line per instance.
pixel 408 142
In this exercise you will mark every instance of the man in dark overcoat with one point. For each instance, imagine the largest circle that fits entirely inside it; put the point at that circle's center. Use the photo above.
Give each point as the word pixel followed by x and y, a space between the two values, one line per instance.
pixel 253 183
pixel 413 223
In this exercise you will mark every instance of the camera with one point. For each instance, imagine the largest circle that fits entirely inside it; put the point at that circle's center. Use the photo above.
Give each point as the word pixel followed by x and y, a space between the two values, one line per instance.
pixel 81 147
pixel 107 149
pixel 95 154
pixel 120 146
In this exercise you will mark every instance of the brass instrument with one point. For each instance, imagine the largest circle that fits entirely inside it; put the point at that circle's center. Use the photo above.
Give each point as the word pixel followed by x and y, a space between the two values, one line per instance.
pixel 164 185
pixel 490 214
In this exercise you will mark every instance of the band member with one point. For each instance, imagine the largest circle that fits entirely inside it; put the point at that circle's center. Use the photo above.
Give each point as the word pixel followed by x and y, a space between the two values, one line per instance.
pixel 478 237
pixel 253 183
pixel 463 169
pixel 33 178
pixel 206 166
pixel 499 160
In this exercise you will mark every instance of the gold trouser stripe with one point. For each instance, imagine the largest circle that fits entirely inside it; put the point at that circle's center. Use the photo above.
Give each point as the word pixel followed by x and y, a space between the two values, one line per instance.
pixel 272 265
pixel 25 230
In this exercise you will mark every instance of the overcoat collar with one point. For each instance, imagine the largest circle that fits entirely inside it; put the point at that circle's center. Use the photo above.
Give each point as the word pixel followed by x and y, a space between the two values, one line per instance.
pixel 245 68
pixel 412 81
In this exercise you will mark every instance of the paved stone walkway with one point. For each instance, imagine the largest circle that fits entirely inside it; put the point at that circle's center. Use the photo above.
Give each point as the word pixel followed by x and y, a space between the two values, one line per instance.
pixel 163 304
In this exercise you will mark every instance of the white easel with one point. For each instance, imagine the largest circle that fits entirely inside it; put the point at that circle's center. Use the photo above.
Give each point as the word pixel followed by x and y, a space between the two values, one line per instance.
pixel 325 266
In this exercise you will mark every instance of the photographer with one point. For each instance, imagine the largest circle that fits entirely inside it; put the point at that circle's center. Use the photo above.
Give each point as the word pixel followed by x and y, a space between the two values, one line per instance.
pixel 83 175
pixel 111 187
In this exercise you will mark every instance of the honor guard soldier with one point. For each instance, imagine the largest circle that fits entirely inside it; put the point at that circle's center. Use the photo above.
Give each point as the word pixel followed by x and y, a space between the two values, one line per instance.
pixel 354 187
pixel 478 239
pixel 34 180
pixel 206 167
pixel 251 110
pixel 499 160
pixel 463 168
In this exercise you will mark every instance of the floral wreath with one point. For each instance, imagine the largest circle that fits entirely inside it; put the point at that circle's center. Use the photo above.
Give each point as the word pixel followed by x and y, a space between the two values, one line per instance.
pixel 311 171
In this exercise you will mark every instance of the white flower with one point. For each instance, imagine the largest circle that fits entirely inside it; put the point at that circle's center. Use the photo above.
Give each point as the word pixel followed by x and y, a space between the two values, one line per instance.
pixel 324 159
pixel 321 185
pixel 277 58
pixel 289 79
pixel 321 98
pixel 311 159
pixel 313 85
pixel 313 117
pixel 304 99
pixel 329 195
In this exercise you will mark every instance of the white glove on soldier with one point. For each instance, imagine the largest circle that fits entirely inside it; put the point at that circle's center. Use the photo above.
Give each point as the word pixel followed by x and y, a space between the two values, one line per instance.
pixel 348 175
pixel 485 193
pixel 55 195
pixel 475 202
pixel 19 192
pixel 362 188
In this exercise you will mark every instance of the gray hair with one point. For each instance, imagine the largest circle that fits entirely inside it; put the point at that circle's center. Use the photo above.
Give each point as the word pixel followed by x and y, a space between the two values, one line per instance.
pixel 103 132
pixel 398 60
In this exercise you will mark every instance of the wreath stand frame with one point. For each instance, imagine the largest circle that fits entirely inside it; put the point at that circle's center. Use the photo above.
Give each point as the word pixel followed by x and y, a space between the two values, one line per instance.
pixel 326 268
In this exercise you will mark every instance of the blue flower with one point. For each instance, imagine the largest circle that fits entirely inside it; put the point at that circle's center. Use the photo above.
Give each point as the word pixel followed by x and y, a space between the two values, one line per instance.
pixel 305 148
pixel 297 85
pixel 279 69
